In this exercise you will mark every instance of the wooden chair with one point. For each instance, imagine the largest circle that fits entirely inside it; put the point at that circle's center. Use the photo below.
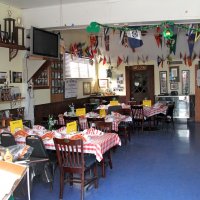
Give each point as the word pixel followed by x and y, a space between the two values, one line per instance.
pixel 72 160
pixel 124 128
pixel 138 116
pixel 93 120
pixel 113 108
pixel 168 118
pixel 7 139
pixel 105 127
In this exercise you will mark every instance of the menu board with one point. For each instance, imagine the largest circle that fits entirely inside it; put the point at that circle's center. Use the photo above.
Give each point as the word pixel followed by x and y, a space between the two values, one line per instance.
pixel 70 88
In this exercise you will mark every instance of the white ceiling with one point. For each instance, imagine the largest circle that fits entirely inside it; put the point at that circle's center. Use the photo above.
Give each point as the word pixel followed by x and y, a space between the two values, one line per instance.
pixel 25 4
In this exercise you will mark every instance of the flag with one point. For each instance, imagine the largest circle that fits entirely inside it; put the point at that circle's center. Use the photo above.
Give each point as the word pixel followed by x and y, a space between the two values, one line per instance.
pixel 185 59
pixel 173 44
pixel 119 61
pixel 158 40
pixel 98 52
pixel 181 56
pixel 197 34
pixel 159 60
pixel 134 38
pixel 104 60
pixel 191 41
pixel 109 61
pixel 106 40
pixel 100 60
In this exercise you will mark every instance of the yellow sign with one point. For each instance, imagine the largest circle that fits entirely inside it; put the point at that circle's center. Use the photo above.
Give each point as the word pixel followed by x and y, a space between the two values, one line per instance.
pixel 16 125
pixel 146 103
pixel 114 103
pixel 71 127
pixel 102 112
pixel 80 111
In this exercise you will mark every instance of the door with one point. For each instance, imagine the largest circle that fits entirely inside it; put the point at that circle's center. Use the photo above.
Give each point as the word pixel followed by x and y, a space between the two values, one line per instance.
pixel 140 82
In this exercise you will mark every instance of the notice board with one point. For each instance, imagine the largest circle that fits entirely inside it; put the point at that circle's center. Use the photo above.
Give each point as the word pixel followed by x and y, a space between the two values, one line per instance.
pixel 70 88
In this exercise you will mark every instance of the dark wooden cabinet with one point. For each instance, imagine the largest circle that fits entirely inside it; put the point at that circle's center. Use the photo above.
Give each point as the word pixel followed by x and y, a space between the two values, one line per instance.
pixel 57 83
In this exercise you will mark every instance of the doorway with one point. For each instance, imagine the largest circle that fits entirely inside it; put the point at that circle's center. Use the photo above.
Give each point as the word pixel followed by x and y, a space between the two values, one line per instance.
pixel 140 83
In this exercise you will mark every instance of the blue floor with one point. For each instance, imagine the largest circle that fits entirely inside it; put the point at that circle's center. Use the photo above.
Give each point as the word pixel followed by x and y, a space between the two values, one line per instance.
pixel 155 165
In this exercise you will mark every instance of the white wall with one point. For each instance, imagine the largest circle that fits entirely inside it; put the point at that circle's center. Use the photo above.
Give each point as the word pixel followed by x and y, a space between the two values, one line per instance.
pixel 16 64
pixel 112 11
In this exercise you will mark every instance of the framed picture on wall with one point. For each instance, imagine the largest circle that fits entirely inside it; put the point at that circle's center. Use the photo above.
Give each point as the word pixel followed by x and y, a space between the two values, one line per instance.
pixel 174 86
pixel 163 82
pixel 174 74
pixel 3 76
pixel 17 77
pixel 86 88
pixel 103 83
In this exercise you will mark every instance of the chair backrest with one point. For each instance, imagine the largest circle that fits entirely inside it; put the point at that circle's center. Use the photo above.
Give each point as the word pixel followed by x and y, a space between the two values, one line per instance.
pixel 103 126
pixel 124 111
pixel 170 111
pixel 7 139
pixel 36 142
pixel 137 112
pixel 70 154
pixel 113 108
pixel 93 120
pixel 132 103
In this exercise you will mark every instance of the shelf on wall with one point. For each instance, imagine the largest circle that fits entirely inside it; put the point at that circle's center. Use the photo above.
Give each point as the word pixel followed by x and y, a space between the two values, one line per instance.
pixel 13 49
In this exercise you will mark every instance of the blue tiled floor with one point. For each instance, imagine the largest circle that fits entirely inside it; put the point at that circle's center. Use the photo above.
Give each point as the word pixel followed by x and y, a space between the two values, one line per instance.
pixel 155 165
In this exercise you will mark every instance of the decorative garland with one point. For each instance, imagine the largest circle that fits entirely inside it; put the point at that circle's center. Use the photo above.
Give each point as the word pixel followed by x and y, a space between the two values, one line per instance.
pixel 94 27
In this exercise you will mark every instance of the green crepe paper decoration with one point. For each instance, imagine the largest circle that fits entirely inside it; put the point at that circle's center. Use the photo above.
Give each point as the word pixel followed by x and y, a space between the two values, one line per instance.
pixel 93 28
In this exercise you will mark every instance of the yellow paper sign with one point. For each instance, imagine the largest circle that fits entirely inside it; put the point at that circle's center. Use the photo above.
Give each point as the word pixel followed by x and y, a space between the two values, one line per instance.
pixel 146 103
pixel 114 103
pixel 102 112
pixel 16 125
pixel 71 127
pixel 80 111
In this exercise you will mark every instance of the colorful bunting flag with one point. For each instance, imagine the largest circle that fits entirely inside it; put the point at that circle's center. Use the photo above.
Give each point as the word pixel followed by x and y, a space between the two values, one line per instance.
pixel 159 60
pixel 172 46
pixel 134 38
pixel 158 40
pixel 100 60
pixel 191 42
pixel 185 59
pixel 109 61
pixel 104 60
pixel 119 61
pixel 107 40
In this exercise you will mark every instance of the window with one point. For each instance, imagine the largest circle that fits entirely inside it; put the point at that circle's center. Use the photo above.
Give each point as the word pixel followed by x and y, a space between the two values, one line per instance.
pixel 75 67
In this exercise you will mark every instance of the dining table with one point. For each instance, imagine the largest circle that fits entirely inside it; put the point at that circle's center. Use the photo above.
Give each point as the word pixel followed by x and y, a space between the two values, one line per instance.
pixel 95 141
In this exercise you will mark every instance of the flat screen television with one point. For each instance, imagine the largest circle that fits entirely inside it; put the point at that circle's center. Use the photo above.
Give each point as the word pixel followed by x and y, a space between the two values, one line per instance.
pixel 44 43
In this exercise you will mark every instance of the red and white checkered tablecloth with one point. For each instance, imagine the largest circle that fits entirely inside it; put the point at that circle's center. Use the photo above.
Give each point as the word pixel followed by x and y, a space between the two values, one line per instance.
pixel 97 145
pixel 84 124
pixel 151 111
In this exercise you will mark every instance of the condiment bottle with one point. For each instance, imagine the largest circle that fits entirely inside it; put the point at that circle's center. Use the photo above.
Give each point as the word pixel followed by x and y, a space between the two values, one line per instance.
pixel 8 156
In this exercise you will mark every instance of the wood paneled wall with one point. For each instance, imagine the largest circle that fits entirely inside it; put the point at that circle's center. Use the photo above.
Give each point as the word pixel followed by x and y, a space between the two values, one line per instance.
pixel 44 110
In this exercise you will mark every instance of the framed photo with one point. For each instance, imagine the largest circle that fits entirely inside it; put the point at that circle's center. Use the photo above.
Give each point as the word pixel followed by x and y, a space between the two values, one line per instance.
pixel 163 82
pixel 3 77
pixel 174 73
pixel 17 77
pixel 86 88
pixel 185 77
pixel 174 86
pixel 103 83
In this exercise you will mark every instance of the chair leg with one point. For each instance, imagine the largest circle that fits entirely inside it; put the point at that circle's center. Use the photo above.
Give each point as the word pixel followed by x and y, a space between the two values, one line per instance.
pixel 96 176
pixel 103 168
pixel 110 159
pixel 61 184
pixel 82 185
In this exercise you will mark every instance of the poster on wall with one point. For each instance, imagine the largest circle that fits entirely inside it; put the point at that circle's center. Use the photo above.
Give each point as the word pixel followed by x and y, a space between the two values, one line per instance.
pixel 70 88
pixel 120 83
